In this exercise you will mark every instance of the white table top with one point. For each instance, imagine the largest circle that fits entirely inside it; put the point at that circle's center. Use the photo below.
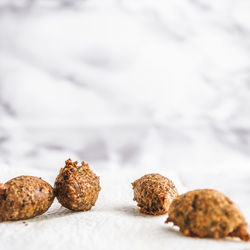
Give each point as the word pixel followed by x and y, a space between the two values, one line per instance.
pixel 131 87
pixel 114 223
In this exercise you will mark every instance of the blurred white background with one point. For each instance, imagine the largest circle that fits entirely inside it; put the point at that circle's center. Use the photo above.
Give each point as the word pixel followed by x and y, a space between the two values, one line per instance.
pixel 141 85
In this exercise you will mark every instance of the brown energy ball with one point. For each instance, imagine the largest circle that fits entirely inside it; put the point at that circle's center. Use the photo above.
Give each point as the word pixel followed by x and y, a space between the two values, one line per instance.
pixel 24 197
pixel 154 193
pixel 207 213
pixel 77 187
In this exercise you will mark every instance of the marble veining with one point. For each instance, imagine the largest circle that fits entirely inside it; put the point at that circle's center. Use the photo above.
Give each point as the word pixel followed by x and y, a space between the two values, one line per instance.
pixel 128 85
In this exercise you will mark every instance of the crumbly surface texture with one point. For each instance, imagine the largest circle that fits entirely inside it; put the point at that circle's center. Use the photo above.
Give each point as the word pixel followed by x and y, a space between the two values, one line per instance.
pixel 24 197
pixel 154 193
pixel 207 213
pixel 77 187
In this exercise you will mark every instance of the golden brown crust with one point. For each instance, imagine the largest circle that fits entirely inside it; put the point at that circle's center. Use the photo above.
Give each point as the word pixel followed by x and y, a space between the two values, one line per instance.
pixel 207 213
pixel 24 197
pixel 154 193
pixel 77 187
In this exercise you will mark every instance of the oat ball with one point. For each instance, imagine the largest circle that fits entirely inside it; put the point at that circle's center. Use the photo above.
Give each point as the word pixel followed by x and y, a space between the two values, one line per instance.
pixel 154 193
pixel 24 197
pixel 77 187
pixel 207 213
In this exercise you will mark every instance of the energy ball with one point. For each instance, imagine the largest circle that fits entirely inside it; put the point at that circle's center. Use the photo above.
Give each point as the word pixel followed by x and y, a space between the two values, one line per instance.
pixel 77 187
pixel 154 193
pixel 24 197
pixel 207 213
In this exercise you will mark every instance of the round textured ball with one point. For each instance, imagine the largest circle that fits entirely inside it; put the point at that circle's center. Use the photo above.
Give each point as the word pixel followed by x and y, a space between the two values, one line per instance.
pixel 207 213
pixel 24 197
pixel 154 193
pixel 77 187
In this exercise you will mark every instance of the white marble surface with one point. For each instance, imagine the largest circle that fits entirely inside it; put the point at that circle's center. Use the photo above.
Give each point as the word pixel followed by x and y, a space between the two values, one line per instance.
pixel 131 87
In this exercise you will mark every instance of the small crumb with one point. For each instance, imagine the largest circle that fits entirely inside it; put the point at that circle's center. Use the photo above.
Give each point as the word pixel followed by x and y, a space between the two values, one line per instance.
pixel 25 223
